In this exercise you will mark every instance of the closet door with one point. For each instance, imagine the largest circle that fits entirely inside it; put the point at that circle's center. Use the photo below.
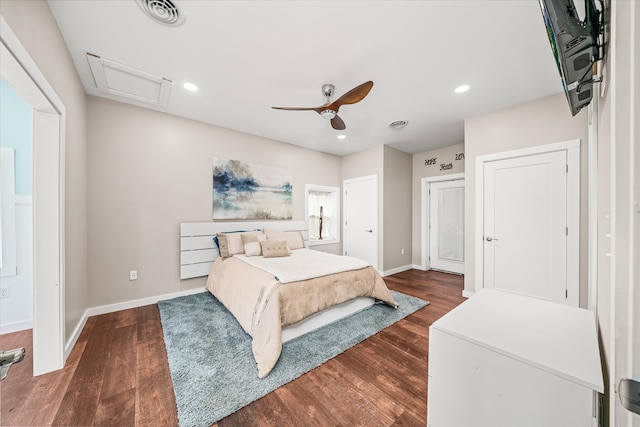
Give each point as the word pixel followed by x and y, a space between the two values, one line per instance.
pixel 525 225
pixel 361 218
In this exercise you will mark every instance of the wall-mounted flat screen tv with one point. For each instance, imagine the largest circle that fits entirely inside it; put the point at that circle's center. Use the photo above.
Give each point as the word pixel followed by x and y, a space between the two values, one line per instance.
pixel 574 46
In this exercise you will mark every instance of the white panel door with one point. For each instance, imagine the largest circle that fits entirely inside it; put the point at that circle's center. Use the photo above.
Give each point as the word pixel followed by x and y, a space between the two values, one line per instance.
pixel 525 225
pixel 48 327
pixel 446 224
pixel 361 219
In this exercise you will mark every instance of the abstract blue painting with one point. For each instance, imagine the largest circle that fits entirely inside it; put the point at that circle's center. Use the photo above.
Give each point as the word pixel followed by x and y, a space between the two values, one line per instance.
pixel 244 190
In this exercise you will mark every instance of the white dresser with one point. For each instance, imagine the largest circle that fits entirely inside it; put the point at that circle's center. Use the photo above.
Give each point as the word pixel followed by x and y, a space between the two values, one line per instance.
pixel 501 359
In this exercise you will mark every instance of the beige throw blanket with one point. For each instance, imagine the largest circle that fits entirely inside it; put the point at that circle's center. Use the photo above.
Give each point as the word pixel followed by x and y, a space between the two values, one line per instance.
pixel 262 305
pixel 304 264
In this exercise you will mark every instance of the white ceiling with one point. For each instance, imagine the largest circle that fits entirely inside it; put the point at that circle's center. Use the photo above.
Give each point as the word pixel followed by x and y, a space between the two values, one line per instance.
pixel 246 56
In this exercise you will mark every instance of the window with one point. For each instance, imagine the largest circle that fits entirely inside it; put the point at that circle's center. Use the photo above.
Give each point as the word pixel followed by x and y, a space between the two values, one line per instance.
pixel 323 212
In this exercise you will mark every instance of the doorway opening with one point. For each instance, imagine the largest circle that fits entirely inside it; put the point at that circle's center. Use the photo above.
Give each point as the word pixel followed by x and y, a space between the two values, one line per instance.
pixel 19 70
pixel 442 210
pixel 16 216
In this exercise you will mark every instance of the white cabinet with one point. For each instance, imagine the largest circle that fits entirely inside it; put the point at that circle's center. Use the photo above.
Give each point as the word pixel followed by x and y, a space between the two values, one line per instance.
pixel 501 359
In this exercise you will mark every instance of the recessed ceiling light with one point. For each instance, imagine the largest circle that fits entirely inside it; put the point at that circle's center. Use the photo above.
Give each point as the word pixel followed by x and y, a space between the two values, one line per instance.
pixel 398 124
pixel 190 87
pixel 462 89
pixel 342 136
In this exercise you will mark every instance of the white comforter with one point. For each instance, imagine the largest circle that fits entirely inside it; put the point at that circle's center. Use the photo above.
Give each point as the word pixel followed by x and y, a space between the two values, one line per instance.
pixel 304 264
pixel 263 305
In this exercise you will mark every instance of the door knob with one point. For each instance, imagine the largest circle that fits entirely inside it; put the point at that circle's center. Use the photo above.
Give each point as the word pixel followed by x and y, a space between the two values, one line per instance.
pixel 489 239
pixel 369 231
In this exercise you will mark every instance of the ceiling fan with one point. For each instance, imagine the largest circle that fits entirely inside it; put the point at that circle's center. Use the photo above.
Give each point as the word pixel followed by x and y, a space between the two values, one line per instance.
pixel 329 110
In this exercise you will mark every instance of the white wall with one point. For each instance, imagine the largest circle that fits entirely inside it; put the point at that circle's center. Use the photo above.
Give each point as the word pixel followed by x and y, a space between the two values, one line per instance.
pixel 618 188
pixel 543 121
pixel 428 164
pixel 147 173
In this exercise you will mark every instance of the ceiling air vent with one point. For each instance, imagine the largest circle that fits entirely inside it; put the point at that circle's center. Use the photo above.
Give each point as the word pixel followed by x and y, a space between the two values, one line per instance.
pixel 162 11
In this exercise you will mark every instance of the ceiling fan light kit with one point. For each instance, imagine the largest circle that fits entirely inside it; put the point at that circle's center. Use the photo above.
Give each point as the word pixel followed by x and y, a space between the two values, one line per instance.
pixel 328 114
pixel 330 109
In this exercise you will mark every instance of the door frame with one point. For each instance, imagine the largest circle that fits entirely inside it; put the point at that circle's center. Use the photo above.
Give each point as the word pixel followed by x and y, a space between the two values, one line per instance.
pixel 373 178
pixel 572 149
pixel 49 127
pixel 621 196
pixel 425 184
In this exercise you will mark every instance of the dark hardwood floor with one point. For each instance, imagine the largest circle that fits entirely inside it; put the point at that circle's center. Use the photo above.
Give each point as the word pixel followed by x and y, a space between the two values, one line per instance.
pixel 117 374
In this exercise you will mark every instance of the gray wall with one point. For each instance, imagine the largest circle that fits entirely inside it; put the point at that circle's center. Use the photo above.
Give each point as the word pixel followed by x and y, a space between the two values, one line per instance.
pixel 422 168
pixel 38 32
pixel 397 209
pixel 543 121
pixel 148 172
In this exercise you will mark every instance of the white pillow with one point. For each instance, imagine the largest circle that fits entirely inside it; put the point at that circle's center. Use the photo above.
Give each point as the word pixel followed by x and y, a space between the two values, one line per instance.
pixel 253 249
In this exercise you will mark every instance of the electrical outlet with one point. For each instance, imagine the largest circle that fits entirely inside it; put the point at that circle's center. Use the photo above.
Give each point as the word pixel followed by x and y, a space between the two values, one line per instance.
pixel 5 292
pixel 401 251
pixel 133 275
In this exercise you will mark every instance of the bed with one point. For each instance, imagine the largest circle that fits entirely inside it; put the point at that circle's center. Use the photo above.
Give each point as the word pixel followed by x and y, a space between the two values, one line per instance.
pixel 277 298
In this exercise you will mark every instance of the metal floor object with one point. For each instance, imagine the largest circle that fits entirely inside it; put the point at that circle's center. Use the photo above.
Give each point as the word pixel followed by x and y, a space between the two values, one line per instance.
pixel 8 358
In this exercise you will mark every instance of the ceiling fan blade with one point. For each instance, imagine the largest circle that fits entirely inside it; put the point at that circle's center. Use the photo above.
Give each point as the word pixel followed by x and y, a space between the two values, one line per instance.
pixel 316 109
pixel 337 123
pixel 356 94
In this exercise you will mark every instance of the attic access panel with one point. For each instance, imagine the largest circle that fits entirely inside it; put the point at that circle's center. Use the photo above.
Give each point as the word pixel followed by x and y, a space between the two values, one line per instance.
pixel 127 82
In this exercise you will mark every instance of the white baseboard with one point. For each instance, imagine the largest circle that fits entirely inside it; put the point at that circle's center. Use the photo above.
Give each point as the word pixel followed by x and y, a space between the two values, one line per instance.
pixel 418 267
pixel 110 308
pixel 125 305
pixel 467 294
pixel 71 342
pixel 15 327
pixel 396 270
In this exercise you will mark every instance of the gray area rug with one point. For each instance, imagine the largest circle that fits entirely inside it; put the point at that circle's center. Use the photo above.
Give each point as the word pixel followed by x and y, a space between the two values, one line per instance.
pixel 212 367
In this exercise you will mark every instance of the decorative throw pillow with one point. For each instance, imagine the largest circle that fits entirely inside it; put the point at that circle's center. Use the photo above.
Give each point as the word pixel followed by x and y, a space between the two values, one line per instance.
pixel 275 248
pixel 293 238
pixel 253 237
pixel 251 243
pixel 216 245
pixel 253 249
pixel 231 243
